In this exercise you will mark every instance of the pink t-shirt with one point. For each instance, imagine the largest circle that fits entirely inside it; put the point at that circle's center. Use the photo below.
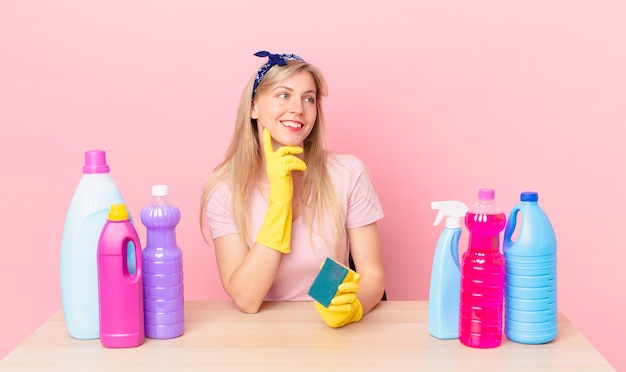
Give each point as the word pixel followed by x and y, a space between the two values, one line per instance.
pixel 297 270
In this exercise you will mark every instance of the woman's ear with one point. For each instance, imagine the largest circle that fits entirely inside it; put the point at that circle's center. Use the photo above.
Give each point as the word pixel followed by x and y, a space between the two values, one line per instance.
pixel 253 112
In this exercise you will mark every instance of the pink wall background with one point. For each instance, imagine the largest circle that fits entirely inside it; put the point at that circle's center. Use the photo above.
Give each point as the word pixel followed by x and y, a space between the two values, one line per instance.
pixel 439 99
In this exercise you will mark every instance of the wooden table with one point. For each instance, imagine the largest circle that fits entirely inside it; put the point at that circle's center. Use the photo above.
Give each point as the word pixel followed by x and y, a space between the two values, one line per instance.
pixel 291 336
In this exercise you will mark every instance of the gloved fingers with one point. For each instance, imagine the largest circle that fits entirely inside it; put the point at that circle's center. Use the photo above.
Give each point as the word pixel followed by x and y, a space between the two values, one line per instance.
pixel 281 151
pixel 288 150
pixel 343 299
pixel 282 167
pixel 348 287
pixel 293 163
pixel 339 315
pixel 344 308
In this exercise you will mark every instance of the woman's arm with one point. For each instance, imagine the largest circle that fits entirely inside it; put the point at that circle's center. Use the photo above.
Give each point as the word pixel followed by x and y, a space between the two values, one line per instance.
pixel 246 274
pixel 366 253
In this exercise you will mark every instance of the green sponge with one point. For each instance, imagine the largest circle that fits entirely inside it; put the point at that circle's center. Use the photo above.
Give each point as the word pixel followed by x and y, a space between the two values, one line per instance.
pixel 331 275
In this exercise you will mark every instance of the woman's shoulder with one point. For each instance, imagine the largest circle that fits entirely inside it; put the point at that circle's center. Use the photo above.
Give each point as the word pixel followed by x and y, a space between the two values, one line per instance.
pixel 220 190
pixel 344 161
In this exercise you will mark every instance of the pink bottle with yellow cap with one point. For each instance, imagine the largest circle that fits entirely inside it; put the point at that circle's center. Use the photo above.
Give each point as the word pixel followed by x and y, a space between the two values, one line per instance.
pixel 120 290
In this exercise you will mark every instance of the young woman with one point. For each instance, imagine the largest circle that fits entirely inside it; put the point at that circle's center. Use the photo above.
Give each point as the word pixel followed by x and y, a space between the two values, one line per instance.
pixel 280 202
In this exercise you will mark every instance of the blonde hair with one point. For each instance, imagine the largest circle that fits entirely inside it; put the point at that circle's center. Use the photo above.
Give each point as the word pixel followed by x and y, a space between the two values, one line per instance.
pixel 243 160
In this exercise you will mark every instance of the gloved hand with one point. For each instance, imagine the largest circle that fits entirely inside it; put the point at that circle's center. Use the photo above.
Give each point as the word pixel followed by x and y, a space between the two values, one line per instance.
pixel 345 307
pixel 275 232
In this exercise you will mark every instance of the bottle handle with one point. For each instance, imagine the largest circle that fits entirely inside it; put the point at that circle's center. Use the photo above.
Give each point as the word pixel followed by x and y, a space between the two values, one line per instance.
pixel 137 264
pixel 510 226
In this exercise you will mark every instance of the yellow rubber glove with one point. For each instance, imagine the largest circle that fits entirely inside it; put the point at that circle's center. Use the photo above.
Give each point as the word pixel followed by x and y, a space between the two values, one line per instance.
pixel 345 307
pixel 275 232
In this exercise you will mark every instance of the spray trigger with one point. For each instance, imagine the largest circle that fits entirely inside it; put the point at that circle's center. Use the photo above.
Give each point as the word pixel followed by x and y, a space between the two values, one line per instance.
pixel 439 217
pixel 452 209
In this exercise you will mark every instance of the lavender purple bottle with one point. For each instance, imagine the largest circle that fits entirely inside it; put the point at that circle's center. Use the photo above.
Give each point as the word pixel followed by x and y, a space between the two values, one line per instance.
pixel 162 268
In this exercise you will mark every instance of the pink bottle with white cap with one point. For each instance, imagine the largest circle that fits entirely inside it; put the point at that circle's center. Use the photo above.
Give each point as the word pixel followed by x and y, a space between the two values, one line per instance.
pixel 120 291
pixel 482 275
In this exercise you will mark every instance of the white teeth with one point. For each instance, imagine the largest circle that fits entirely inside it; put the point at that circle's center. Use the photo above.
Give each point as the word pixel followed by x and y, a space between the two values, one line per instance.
pixel 292 124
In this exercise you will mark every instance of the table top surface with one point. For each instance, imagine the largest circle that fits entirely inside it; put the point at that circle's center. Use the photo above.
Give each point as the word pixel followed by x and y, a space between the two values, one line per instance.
pixel 291 335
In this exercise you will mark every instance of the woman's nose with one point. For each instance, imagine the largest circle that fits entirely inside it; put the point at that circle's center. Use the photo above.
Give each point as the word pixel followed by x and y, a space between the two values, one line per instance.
pixel 296 106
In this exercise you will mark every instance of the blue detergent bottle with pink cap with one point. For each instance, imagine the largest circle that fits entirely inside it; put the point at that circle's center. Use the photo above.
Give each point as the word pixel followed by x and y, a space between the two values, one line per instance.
pixel 86 216
pixel 162 268
pixel 530 291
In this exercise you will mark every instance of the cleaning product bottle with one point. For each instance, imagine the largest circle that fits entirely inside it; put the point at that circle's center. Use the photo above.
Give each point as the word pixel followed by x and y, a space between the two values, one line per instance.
pixel 530 291
pixel 86 216
pixel 482 275
pixel 445 278
pixel 163 268
pixel 120 292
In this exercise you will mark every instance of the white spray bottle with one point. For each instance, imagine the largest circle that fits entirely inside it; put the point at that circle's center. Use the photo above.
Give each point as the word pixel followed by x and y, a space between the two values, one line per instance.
pixel 445 279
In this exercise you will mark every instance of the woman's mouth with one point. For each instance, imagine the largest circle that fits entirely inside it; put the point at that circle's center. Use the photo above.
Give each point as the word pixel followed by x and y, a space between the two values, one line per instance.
pixel 292 124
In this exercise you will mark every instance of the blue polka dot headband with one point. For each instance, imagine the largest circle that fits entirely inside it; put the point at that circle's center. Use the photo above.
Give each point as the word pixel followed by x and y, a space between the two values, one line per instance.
pixel 274 59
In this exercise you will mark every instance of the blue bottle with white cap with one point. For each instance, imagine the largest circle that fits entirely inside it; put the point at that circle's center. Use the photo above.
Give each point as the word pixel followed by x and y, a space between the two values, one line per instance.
pixel 530 274
pixel 445 279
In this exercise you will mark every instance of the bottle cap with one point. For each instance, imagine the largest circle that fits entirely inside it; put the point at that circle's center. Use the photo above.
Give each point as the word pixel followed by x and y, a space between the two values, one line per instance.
pixel 529 196
pixel 452 209
pixel 95 162
pixel 486 194
pixel 159 190
pixel 118 212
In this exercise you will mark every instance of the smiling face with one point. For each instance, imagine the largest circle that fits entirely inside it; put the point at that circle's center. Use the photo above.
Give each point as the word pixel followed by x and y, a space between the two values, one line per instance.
pixel 288 110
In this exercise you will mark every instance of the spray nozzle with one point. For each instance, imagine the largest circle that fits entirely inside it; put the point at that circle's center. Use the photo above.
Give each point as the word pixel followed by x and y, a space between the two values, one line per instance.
pixel 454 210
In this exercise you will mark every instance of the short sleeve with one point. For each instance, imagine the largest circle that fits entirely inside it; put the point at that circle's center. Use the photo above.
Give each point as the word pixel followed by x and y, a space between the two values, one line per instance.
pixel 219 212
pixel 363 204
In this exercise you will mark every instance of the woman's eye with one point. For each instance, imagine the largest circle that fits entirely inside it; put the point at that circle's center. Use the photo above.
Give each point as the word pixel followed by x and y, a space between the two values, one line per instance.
pixel 309 99
pixel 283 95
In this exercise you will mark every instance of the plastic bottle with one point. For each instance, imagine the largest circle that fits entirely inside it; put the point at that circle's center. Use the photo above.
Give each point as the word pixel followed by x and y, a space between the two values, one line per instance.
pixel 482 275
pixel 86 216
pixel 530 290
pixel 120 292
pixel 445 279
pixel 163 268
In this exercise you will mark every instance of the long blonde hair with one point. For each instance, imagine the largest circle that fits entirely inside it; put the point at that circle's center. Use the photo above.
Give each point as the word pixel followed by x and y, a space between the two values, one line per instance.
pixel 243 160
